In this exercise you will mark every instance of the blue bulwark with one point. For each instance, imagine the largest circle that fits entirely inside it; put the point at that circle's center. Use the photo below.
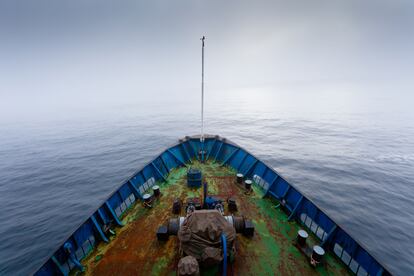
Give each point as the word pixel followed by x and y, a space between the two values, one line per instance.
pixel 186 152
pixel 135 190
pixel 98 228
pixel 218 151
pixel 165 165
pixel 143 175
pixel 380 271
pixel 102 216
pixel 242 161
pixel 158 171
pixel 196 149
pixel 330 235
pixel 250 167
pixel 212 147
pixel 271 184
pixel 296 207
pixel 56 262
pixel 285 193
pixel 113 214
pixel 176 157
pixel 226 151
pixel 230 156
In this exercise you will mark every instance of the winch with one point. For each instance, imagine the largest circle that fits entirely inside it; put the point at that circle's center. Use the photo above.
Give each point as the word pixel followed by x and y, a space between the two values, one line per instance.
pixel 206 235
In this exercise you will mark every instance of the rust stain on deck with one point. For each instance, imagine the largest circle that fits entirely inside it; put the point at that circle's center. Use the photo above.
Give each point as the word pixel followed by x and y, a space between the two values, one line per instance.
pixel 135 249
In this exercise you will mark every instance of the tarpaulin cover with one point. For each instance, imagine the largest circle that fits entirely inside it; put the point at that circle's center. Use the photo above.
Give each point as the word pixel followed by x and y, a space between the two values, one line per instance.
pixel 188 266
pixel 203 229
pixel 211 256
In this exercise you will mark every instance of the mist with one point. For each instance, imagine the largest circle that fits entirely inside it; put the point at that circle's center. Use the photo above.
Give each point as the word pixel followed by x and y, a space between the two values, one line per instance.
pixel 58 58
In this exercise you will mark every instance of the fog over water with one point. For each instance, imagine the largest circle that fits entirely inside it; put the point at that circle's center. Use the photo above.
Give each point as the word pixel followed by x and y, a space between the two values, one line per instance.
pixel 320 90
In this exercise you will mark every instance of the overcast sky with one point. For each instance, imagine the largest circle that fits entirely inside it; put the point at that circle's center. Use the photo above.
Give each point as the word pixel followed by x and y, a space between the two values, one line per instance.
pixel 59 54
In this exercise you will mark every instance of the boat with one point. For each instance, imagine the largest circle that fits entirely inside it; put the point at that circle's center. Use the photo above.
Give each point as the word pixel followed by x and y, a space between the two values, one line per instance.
pixel 207 206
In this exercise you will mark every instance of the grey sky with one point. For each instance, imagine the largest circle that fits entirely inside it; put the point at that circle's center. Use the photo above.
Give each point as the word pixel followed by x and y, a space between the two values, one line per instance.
pixel 57 54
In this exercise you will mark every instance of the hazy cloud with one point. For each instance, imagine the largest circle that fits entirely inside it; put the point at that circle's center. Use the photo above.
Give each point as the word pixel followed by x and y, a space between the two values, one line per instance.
pixel 57 54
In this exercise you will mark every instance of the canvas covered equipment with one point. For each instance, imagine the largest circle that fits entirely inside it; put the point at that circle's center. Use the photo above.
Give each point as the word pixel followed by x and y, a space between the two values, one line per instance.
pixel 188 266
pixel 201 231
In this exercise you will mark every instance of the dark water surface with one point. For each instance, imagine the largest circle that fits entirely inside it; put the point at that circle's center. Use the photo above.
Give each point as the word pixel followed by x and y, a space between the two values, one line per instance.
pixel 358 166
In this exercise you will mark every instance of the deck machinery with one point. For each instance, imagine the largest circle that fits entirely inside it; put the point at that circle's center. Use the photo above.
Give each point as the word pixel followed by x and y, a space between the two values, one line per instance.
pixel 206 235
pixel 118 238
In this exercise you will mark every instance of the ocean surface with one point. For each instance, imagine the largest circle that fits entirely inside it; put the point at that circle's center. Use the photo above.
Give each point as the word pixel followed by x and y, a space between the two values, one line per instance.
pixel 357 164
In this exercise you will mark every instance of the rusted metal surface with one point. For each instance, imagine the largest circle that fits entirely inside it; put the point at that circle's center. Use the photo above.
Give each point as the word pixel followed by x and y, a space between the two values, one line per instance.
pixel 135 249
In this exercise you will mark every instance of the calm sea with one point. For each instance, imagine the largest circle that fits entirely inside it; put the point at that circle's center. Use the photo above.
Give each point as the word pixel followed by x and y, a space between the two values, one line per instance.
pixel 355 163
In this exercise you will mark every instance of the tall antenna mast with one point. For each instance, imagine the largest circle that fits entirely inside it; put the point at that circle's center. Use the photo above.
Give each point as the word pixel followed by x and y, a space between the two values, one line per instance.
pixel 202 98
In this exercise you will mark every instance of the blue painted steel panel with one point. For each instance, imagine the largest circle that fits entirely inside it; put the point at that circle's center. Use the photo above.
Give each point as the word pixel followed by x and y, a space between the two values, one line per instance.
pixel 170 161
pixel 309 209
pixel 297 206
pixel 271 178
pixel 135 180
pixel 218 151
pixel 192 149
pixel 82 234
pixel 98 228
pixel 161 167
pixel 250 164
pixel 164 165
pixel 247 164
pixel 186 154
pixel 260 170
pixel 225 151
pixel 61 255
pixel 210 143
pixel 325 222
pixel 148 172
pixel 292 197
pixel 113 214
pixel 230 156
pixel 237 159
pixel 357 258
pixel 125 191
pixel 157 172
pixel 115 200
pixel 279 187
pixel 103 215
pixel 177 155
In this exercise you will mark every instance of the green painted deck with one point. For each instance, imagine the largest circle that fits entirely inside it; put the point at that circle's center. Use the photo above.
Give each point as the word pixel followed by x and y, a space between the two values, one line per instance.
pixel 134 250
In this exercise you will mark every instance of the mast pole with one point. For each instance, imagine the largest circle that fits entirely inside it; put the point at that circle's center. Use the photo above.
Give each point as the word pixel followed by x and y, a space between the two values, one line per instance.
pixel 202 99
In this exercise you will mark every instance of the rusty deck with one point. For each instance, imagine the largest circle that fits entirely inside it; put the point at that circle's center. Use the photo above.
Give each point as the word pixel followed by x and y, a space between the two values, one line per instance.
pixel 134 250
